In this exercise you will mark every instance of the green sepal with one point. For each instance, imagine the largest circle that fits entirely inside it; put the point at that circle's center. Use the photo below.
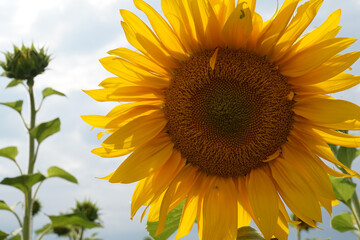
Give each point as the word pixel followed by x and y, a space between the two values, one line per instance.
pixel 3 235
pixel 23 182
pixel 9 152
pixel 61 173
pixel 17 106
pixel 4 206
pixel 49 91
pixel 72 219
pixel 248 233
pixel 343 222
pixel 343 189
pixel 171 223
pixel 46 129
pixel 14 83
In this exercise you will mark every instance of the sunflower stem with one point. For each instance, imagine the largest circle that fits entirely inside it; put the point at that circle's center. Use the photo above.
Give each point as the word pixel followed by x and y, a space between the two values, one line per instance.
pixel 298 234
pixel 27 223
pixel 355 205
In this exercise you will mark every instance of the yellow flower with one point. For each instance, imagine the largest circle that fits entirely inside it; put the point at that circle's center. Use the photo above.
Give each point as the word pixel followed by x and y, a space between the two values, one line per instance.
pixel 228 112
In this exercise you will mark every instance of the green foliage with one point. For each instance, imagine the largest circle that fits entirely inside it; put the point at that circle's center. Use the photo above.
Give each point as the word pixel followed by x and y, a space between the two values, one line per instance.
pixel 3 235
pixel 9 152
pixel 23 182
pixel 25 63
pixel 343 188
pixel 61 173
pixel 347 155
pixel 14 83
pixel 16 237
pixel 73 219
pixel 343 222
pixel 49 91
pixel 45 130
pixel 17 106
pixel 171 223
pixel 248 233
pixel 88 209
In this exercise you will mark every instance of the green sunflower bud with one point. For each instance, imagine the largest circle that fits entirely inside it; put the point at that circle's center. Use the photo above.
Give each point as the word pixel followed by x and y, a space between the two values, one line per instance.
pixel 87 208
pixel 25 63
pixel 36 207
pixel 61 231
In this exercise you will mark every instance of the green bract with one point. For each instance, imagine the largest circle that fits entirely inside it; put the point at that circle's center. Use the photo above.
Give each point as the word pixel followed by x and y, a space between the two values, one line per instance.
pixel 25 63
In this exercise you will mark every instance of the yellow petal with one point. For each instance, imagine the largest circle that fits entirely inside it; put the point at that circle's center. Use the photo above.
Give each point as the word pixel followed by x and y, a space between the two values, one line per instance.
pixel 338 83
pixel 110 153
pixel 136 132
pixel 304 16
pixel 302 160
pixel 220 223
pixel 260 187
pixel 162 30
pixel 276 26
pixel 154 211
pixel 190 210
pixel 238 27
pixel 148 41
pixel 295 190
pixel 133 73
pixel 207 26
pixel 177 191
pixel 327 30
pixel 244 217
pixel 318 145
pixel 114 82
pixel 329 69
pixel 177 12
pixel 326 110
pixel 282 228
pixel 145 160
pixel 311 58
pixel 139 60
pixel 222 9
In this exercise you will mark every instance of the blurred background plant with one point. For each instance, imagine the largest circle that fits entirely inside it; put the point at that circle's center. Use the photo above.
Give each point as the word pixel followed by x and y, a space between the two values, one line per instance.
pixel 22 66
pixel 73 225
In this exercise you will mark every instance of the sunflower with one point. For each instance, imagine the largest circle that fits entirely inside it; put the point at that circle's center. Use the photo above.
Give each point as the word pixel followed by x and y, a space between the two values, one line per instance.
pixel 228 113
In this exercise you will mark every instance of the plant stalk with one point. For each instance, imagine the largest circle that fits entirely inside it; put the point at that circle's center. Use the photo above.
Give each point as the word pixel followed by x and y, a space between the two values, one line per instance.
pixel 27 223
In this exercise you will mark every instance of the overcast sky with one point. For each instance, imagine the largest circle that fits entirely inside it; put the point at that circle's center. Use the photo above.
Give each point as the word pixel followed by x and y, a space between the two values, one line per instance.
pixel 77 33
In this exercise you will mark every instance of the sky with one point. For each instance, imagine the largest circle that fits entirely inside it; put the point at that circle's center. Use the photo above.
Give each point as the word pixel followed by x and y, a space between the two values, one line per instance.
pixel 77 33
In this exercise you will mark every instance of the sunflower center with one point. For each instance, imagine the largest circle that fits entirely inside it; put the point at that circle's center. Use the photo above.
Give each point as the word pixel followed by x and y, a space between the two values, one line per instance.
pixel 230 119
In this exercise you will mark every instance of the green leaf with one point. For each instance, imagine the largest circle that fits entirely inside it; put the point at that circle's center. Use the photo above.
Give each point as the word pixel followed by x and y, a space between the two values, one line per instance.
pixel 346 155
pixel 334 148
pixel 171 223
pixel 43 229
pixel 72 219
pixel 248 233
pixel 343 222
pixel 61 173
pixel 46 129
pixel 9 152
pixel 23 182
pixel 16 237
pixel 49 91
pixel 4 206
pixel 3 235
pixel 14 83
pixel 343 189
pixel 17 106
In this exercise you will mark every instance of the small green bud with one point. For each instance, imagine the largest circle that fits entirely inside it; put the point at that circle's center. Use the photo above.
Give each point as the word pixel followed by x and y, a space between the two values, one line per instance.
pixel 25 63
pixel 36 207
pixel 61 231
pixel 88 209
